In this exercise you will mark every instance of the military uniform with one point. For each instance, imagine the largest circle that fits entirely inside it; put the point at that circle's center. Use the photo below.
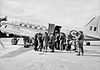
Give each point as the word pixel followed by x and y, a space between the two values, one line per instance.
pixel 80 41
pixel 46 40
pixel 52 42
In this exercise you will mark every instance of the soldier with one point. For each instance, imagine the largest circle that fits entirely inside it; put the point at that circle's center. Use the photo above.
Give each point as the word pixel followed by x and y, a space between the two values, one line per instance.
pixel 35 43
pixel 69 45
pixel 57 41
pixel 52 42
pixel 46 40
pixel 40 41
pixel 80 42
pixel 62 40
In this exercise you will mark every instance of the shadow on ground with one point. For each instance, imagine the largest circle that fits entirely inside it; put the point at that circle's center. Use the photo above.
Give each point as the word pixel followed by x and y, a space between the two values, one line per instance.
pixel 21 50
pixel 92 55
pixel 92 51
pixel 16 52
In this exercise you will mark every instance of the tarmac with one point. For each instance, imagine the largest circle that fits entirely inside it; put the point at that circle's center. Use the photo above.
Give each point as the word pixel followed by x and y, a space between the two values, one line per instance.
pixel 16 57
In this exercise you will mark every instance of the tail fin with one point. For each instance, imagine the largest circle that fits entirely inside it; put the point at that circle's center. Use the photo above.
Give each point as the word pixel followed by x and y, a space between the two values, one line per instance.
pixel 93 27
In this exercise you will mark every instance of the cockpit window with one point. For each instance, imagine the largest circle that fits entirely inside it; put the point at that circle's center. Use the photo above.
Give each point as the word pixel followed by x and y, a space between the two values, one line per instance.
pixel 95 28
pixel 91 28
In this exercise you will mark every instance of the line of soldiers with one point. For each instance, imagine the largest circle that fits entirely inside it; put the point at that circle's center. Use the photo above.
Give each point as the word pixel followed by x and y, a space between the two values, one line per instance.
pixel 58 41
pixel 51 41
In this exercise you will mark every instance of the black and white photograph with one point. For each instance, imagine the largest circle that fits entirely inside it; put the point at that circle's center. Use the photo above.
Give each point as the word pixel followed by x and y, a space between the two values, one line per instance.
pixel 49 34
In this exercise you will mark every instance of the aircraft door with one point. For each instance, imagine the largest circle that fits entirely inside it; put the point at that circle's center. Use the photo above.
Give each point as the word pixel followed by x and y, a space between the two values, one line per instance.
pixel 51 29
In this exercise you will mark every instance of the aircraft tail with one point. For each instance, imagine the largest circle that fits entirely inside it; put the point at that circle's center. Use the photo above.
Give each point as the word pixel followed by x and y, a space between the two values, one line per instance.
pixel 93 28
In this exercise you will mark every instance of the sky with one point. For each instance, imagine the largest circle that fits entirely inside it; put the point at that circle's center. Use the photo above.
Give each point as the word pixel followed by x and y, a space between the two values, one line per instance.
pixel 67 13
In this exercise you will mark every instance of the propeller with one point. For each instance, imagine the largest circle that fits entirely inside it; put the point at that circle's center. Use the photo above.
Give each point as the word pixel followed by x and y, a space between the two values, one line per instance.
pixel 73 34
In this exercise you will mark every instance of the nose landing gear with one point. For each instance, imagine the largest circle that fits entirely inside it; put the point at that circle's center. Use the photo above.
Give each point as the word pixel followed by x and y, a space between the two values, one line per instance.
pixel 14 41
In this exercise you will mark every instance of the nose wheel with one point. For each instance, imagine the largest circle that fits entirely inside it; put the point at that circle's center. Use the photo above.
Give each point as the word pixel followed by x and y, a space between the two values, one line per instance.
pixel 14 41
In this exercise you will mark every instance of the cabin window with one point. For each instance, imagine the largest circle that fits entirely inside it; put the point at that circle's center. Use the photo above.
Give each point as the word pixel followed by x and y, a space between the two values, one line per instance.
pixel 91 28
pixel 25 25
pixel 95 28
pixel 30 26
pixel 20 24
pixel 35 27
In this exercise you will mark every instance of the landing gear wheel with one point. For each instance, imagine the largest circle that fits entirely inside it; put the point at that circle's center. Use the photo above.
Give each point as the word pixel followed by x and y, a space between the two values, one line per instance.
pixel 14 41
